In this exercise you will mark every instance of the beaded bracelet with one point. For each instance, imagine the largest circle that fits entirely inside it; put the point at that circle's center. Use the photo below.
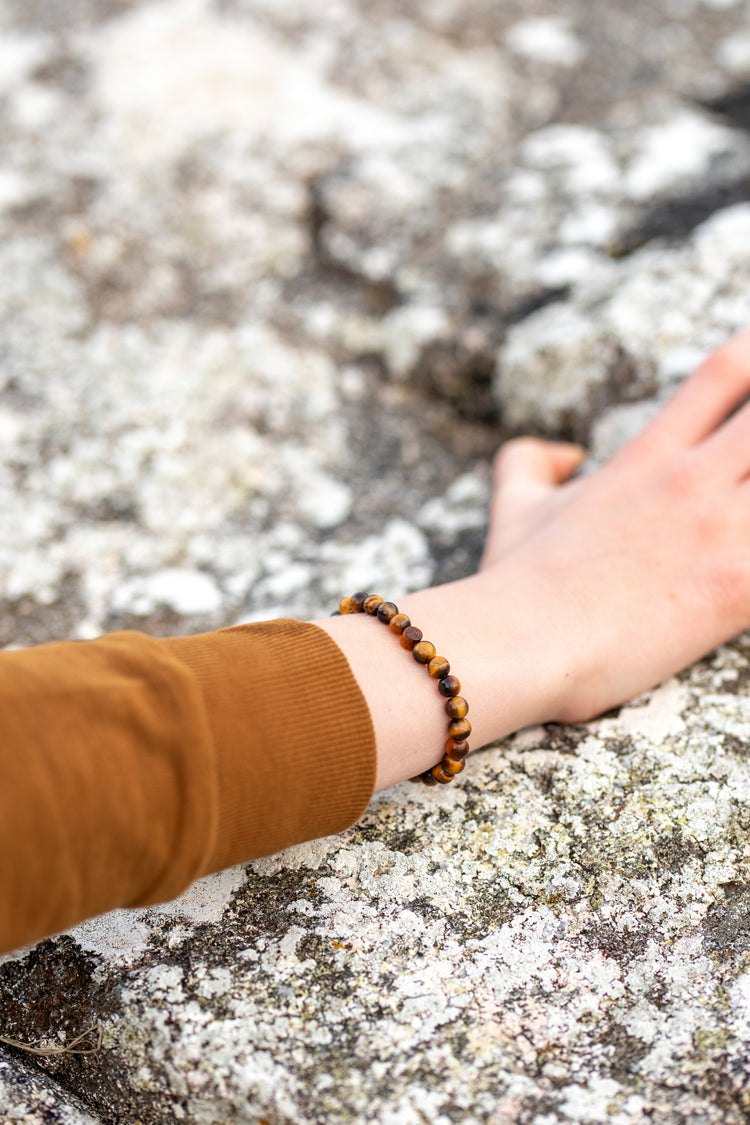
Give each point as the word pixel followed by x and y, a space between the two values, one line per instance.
pixel 459 727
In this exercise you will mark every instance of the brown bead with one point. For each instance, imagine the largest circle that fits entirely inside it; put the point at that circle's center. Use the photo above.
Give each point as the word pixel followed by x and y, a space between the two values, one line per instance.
pixel 457 708
pixel 359 600
pixel 411 636
pixel 438 667
pixel 459 728
pixel 440 775
pixel 373 604
pixel 423 652
pixel 449 686
pixel 428 779
pixel 348 605
pixel 399 622
pixel 456 748
pixel 386 611
pixel 453 765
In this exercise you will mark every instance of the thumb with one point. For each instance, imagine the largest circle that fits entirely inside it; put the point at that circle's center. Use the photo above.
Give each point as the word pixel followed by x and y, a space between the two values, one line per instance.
pixel 527 460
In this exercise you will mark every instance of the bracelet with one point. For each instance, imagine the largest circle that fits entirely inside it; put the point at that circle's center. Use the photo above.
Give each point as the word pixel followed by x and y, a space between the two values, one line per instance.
pixel 459 727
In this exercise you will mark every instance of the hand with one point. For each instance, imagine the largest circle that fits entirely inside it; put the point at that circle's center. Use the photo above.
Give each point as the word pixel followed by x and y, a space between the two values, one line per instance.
pixel 648 559
pixel 590 590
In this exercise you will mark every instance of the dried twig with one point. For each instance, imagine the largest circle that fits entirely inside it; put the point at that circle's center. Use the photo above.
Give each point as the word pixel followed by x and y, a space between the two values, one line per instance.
pixel 71 1048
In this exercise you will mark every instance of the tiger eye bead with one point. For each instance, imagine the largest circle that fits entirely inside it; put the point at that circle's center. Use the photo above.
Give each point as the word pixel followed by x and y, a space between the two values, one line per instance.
pixel 399 622
pixel 456 708
pixel 423 652
pixel 438 667
pixel 459 728
pixel 387 611
pixel 456 748
pixel 411 636
pixel 449 686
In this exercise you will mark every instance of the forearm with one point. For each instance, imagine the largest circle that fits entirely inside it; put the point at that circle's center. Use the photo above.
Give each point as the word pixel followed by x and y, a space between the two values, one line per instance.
pixel 130 766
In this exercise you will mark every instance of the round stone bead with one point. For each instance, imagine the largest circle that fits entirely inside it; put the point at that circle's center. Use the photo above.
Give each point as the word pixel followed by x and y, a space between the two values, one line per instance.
pixel 423 652
pixel 399 622
pixel 457 708
pixel 459 728
pixel 411 636
pixel 456 748
pixel 387 611
pixel 449 686
pixel 438 667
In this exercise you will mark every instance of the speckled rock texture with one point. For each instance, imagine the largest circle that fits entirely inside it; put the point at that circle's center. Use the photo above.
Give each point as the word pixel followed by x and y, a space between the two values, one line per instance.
pixel 275 277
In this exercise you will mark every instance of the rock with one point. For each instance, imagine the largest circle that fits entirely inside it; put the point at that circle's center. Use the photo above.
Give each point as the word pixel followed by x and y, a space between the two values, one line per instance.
pixel 631 337
pixel 276 279
pixel 28 1097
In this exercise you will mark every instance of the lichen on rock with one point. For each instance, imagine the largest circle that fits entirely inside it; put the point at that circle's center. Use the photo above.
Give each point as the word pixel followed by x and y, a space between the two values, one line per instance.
pixel 277 278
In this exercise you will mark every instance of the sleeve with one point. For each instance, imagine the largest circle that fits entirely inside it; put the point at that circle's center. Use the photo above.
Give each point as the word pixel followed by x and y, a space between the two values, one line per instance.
pixel 131 766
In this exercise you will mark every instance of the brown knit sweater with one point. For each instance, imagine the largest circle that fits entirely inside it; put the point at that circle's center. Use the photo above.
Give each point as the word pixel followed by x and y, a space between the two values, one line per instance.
pixel 131 766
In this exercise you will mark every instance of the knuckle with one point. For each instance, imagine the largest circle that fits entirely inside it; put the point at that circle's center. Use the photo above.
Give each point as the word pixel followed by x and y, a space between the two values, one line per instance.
pixel 684 480
pixel 711 528
pixel 729 587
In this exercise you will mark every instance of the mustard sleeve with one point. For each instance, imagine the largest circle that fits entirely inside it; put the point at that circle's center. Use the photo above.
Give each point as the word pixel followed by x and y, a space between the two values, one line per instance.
pixel 130 766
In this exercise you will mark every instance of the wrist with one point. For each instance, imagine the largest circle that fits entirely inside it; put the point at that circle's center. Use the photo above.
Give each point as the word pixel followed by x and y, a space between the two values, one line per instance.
pixel 499 635
pixel 492 630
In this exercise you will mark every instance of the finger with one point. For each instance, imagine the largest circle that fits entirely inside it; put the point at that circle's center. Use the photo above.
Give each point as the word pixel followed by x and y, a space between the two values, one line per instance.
pixel 725 454
pixel 525 461
pixel 711 393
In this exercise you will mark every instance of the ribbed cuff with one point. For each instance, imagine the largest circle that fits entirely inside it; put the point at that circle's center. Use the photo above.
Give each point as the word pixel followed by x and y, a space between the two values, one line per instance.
pixel 293 737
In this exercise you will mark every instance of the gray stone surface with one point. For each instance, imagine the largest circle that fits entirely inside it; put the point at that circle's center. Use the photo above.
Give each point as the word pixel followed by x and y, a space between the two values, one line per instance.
pixel 28 1096
pixel 276 277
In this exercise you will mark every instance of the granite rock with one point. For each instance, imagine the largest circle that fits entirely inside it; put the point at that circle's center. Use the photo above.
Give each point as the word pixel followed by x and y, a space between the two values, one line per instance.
pixel 30 1097
pixel 276 279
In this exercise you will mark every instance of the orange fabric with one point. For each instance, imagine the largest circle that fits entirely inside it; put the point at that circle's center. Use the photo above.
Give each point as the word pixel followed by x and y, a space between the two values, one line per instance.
pixel 131 766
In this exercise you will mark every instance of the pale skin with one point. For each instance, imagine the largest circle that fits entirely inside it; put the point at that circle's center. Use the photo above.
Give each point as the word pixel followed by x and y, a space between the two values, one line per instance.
pixel 591 589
